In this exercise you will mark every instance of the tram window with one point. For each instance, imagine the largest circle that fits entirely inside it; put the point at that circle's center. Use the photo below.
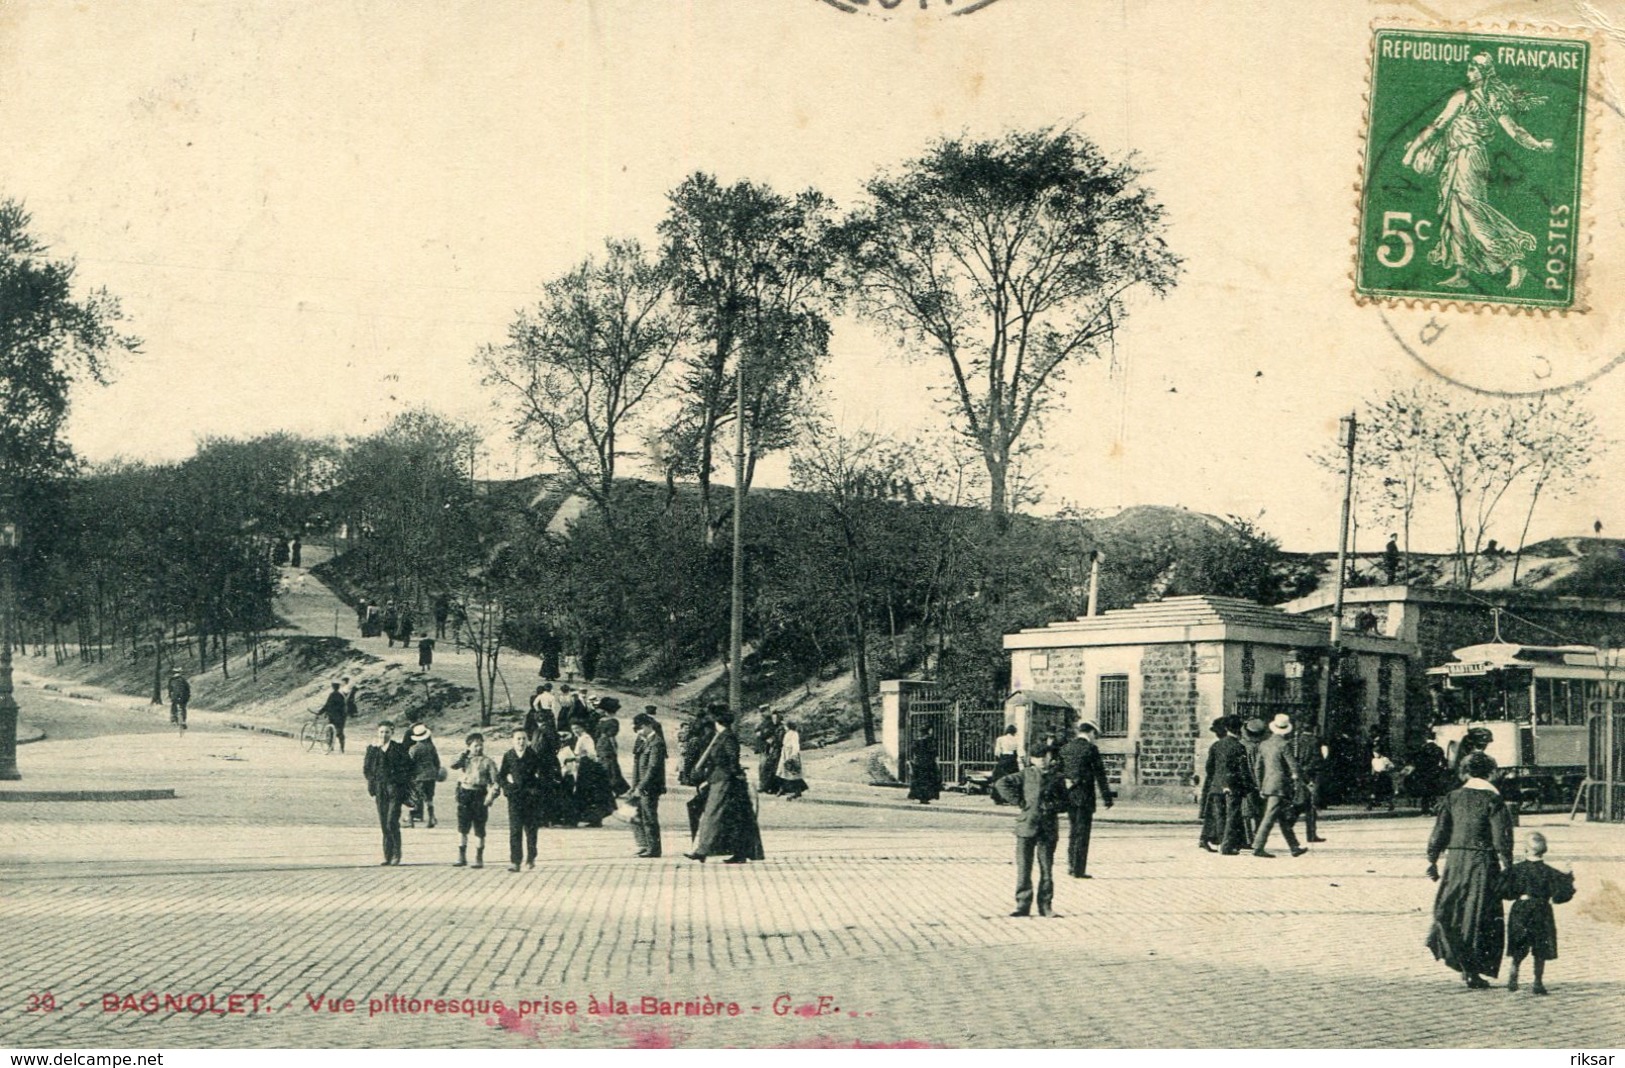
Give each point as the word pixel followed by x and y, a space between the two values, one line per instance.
pixel 1517 702
pixel 1543 702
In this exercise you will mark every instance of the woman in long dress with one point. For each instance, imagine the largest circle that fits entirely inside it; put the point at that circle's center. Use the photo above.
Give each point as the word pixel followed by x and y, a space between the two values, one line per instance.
pixel 924 777
pixel 1475 830
pixel 593 800
pixel 788 774
pixel 1473 235
pixel 728 824
pixel 609 728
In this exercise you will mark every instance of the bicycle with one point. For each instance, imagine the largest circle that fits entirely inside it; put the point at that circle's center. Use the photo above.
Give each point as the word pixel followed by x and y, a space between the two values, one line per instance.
pixel 319 731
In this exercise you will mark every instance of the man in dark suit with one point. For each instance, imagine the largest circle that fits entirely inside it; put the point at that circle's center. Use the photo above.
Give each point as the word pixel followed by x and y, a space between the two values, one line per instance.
pixel 388 769
pixel 1311 754
pixel 524 780
pixel 1041 795
pixel 1083 772
pixel 1230 781
pixel 648 781
pixel 1276 770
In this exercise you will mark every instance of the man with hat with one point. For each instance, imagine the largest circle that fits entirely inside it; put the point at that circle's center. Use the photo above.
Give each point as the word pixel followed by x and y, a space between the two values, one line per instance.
pixel 1311 753
pixel 1230 783
pixel 1082 772
pixel 388 770
pixel 1278 778
pixel 1253 733
pixel 1041 794
pixel 180 695
pixel 334 711
pixel 769 747
pixel 648 781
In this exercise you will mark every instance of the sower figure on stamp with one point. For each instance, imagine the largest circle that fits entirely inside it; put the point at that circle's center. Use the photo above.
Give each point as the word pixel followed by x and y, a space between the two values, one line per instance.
pixel 648 781
pixel 524 780
pixel 1082 773
pixel 1041 795
pixel 1276 771
pixel 388 770
pixel 1473 235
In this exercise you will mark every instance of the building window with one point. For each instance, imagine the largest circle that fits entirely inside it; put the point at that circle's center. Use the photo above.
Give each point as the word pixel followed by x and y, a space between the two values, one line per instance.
pixel 1113 706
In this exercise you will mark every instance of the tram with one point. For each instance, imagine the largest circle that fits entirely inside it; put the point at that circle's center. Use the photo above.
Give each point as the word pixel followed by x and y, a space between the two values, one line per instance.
pixel 1534 700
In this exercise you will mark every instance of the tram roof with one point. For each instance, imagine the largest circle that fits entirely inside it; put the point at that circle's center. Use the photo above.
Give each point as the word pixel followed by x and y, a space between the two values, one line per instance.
pixel 1492 656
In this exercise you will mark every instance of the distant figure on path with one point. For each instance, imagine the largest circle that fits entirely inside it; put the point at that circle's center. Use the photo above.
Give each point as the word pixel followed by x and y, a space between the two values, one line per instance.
pixel 1533 888
pixel 1475 829
pixel 787 776
pixel 180 695
pixel 425 652
pixel 335 712
pixel 1083 772
pixel 296 552
pixel 442 612
pixel 1041 794
pixel 347 713
pixel 924 777
pixel 769 744
pixel 648 781
pixel 1005 757
pixel 1390 559
pixel 391 621
pixel 388 770
pixel 477 787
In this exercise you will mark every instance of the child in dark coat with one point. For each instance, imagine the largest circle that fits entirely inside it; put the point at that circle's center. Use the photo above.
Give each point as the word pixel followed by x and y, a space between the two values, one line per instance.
pixel 1533 888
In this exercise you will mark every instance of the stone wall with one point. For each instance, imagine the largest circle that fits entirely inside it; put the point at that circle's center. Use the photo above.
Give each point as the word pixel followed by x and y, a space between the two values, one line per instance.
pixel 1168 715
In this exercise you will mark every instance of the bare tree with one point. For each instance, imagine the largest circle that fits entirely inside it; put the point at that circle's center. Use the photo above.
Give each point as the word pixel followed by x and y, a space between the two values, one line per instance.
pixel 1012 260
pixel 580 363
pixel 1393 466
pixel 1560 436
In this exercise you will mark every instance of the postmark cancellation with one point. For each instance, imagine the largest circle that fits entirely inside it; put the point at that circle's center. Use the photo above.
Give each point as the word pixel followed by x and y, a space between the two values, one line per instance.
pixel 1474 170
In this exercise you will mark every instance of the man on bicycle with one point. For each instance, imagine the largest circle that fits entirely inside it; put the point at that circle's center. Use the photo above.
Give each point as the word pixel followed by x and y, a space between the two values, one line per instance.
pixel 335 710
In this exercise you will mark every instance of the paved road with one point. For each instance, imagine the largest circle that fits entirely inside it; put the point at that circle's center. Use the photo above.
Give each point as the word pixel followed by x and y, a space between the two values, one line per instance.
pixel 260 878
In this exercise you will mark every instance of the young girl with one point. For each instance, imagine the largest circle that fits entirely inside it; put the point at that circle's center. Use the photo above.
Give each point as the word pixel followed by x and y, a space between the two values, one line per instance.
pixel 1533 888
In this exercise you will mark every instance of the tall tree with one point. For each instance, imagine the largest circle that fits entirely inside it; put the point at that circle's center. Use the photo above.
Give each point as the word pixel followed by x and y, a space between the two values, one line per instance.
pixel 754 268
pixel 49 339
pixel 580 364
pixel 1012 260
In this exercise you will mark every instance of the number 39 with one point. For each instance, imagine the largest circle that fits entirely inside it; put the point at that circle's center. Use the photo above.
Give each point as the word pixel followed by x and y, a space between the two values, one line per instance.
pixel 1393 223
pixel 45 1002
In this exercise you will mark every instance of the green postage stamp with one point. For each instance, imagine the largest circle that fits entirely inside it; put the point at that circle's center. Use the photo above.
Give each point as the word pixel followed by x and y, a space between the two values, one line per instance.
pixel 1474 155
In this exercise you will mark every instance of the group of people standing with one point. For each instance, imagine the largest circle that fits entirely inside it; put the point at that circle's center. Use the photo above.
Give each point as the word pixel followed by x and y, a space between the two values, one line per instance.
pixel 567 778
pixel 1260 776
pixel 395 623
pixel 778 748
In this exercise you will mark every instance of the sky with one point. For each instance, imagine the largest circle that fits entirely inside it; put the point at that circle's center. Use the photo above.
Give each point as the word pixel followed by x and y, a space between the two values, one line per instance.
pixel 316 213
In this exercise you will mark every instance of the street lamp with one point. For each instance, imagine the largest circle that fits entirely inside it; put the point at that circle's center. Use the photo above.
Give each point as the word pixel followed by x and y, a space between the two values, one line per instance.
pixel 8 704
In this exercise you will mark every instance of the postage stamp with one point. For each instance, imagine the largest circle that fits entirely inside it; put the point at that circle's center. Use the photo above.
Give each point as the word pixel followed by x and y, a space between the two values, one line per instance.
pixel 1474 159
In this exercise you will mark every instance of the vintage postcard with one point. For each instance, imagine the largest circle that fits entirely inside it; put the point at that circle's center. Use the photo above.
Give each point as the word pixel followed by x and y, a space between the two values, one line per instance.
pixel 822 524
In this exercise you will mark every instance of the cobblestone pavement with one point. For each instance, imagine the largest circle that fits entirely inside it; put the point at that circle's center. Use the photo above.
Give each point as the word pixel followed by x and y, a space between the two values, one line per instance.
pixel 261 878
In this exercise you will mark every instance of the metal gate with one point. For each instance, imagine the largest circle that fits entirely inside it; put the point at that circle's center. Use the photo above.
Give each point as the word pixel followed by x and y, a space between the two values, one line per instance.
pixel 963 738
pixel 1605 767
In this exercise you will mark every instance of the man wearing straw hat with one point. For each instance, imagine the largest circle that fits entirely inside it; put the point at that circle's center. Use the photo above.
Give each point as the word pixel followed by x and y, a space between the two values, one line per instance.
pixel 1278 778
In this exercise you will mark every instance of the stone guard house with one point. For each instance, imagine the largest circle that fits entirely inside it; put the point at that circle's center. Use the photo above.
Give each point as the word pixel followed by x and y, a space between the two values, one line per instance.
pixel 1153 677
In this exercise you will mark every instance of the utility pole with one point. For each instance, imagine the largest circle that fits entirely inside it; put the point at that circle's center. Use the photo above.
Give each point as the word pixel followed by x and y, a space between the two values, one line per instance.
pixel 736 617
pixel 8 703
pixel 1348 427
